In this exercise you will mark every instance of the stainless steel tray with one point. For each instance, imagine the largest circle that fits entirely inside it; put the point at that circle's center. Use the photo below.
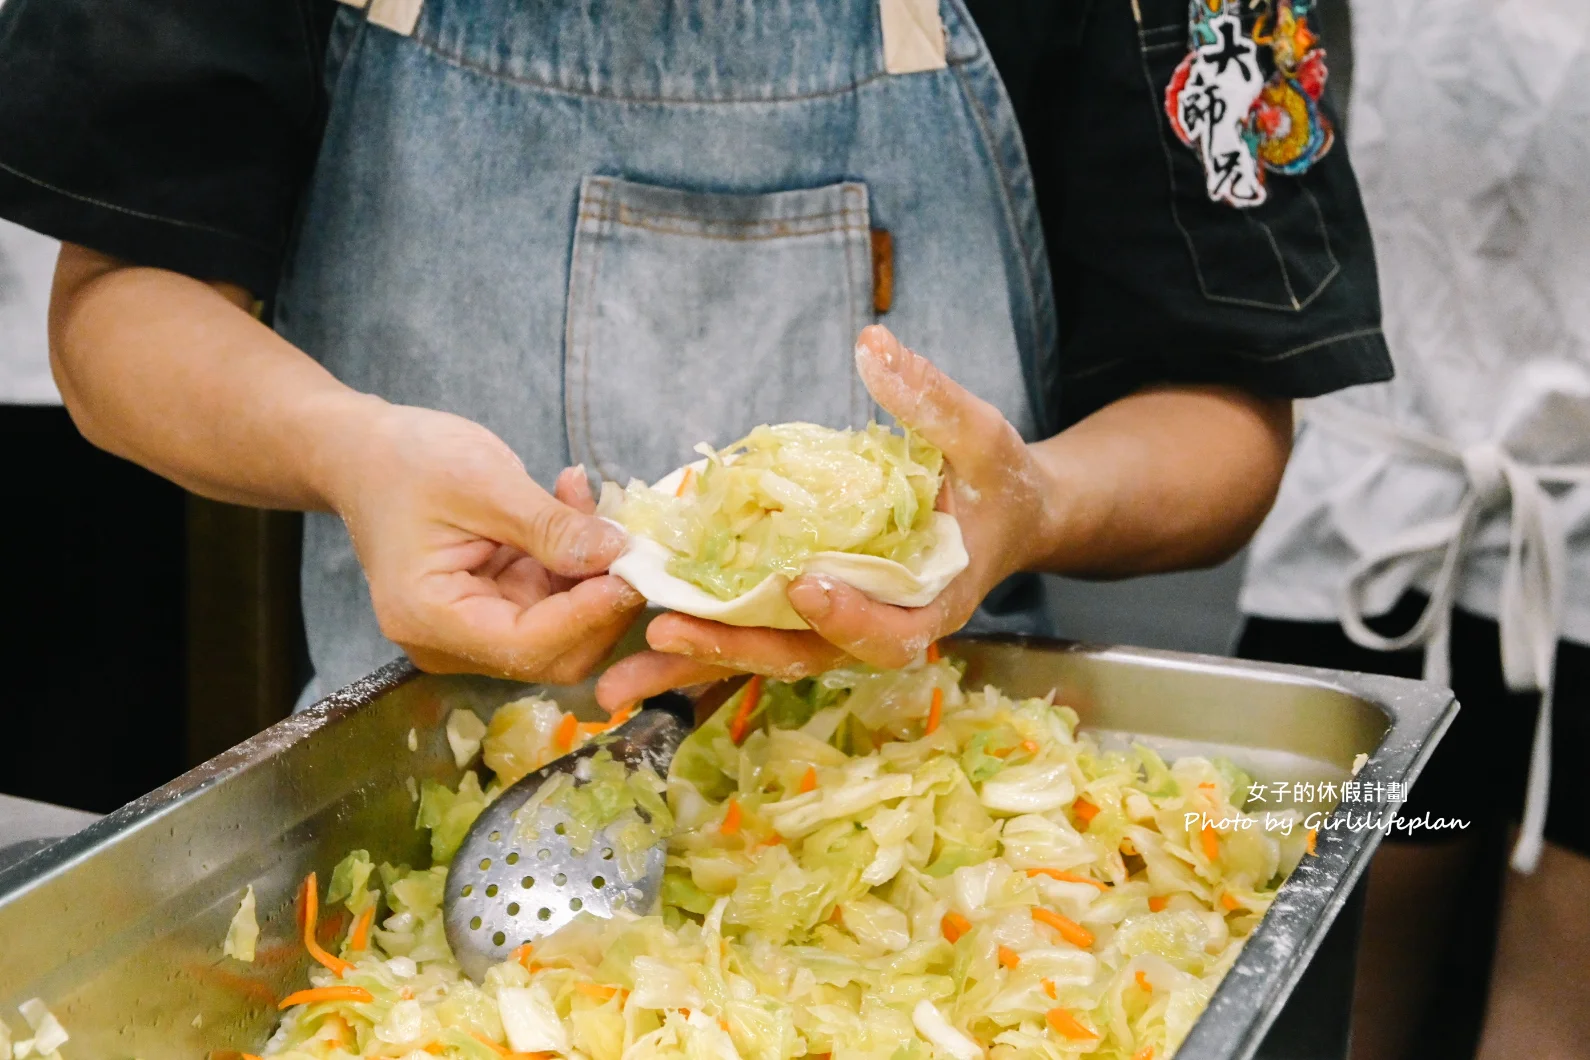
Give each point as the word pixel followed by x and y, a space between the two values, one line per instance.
pixel 119 928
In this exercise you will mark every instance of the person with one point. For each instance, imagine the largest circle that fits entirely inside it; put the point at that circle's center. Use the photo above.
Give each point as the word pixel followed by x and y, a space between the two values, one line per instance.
pixel 496 240
pixel 1438 525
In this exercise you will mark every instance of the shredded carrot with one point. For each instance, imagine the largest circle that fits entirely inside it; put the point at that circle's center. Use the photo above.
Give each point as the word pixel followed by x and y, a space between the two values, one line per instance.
pixel 935 711
pixel 326 993
pixel 1211 841
pixel 1001 752
pixel 809 780
pixel 1145 1053
pixel 434 1048
pixel 1228 902
pixel 1066 1025
pixel 1009 957
pixel 359 937
pixel 954 926
pixel 1157 903
pixel 309 915
pixel 684 481
pixel 406 994
pixel 563 735
pixel 1030 746
pixel 598 991
pixel 1207 785
pixel 724 1024
pixel 1048 988
pixel 620 716
pixel 1069 929
pixel 1142 982
pixel 750 696
pixel 522 954
pixel 248 1056
pixel 1311 844
pixel 1067 877
pixel 773 840
pixel 731 818
pixel 933 651
pixel 1085 811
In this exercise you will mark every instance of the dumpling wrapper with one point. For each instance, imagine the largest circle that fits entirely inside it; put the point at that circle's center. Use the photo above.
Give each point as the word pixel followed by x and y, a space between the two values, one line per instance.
pixel 644 565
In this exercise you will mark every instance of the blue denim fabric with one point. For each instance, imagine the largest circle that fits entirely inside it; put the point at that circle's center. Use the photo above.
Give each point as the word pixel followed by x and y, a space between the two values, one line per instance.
pixel 610 229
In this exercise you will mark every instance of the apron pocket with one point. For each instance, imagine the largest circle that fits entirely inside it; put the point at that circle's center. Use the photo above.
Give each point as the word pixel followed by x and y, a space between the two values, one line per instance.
pixel 696 316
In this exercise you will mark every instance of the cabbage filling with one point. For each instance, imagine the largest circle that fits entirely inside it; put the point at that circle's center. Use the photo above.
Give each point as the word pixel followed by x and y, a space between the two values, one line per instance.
pixel 884 866
pixel 767 503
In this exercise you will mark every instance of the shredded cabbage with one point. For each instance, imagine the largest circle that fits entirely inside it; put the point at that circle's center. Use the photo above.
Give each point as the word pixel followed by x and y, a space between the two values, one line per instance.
pixel 771 500
pixel 464 733
pixel 48 1034
pixel 607 795
pixel 243 932
pixel 519 739
pixel 1000 887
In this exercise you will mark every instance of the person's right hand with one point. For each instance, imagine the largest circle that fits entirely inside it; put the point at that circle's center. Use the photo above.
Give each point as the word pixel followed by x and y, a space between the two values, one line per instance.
pixel 473 567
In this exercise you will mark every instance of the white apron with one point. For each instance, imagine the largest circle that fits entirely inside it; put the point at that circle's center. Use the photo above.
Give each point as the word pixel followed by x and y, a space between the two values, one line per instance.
pixel 1465 476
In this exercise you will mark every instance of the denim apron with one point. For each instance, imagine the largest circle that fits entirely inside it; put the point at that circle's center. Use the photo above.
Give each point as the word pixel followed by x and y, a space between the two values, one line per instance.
pixel 610 229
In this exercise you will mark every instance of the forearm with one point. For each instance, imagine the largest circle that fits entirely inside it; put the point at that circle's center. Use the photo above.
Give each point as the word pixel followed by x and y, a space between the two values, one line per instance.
pixel 176 375
pixel 1164 479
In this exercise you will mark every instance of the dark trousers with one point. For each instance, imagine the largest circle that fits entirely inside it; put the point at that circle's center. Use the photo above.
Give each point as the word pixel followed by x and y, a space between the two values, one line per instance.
pixel 92 706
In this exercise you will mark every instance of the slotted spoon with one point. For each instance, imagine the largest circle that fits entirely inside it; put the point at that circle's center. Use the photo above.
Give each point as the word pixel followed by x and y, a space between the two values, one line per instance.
pixel 505 889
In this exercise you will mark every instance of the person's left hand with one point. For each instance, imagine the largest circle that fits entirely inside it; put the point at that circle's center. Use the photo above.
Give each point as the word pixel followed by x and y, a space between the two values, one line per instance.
pixel 993 487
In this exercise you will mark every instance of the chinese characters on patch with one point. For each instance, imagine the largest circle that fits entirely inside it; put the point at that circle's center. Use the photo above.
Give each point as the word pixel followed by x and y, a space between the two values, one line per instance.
pixel 1248 103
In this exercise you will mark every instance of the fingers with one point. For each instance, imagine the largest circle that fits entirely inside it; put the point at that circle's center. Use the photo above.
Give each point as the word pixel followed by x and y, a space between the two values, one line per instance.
pixel 519 578
pixel 648 673
pixel 880 634
pixel 472 627
pixel 923 398
pixel 786 655
pixel 560 531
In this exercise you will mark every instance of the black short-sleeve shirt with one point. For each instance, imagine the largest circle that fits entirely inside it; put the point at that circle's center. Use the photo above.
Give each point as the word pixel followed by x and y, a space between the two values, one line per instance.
pixel 182 133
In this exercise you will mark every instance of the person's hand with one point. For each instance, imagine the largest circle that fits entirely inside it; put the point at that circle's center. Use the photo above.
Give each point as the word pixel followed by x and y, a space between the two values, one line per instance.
pixel 993 487
pixel 473 567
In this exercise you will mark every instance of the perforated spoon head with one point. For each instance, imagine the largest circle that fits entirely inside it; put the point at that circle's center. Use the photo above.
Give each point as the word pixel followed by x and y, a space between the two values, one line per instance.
pixel 516 880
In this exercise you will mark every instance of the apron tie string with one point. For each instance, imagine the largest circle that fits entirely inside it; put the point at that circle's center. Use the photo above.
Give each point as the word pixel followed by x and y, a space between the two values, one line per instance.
pixel 1529 614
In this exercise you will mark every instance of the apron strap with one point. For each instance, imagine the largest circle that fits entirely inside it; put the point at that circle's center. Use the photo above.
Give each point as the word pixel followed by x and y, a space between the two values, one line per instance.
pixel 1529 613
pixel 399 16
pixel 913 36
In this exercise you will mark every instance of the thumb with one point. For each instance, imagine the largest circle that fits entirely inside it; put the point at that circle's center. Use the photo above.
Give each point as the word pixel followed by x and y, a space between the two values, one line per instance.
pixel 573 488
pixel 566 540
pixel 916 393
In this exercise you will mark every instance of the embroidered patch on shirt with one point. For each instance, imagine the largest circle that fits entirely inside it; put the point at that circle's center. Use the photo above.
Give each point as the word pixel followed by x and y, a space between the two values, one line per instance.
pixel 1241 121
